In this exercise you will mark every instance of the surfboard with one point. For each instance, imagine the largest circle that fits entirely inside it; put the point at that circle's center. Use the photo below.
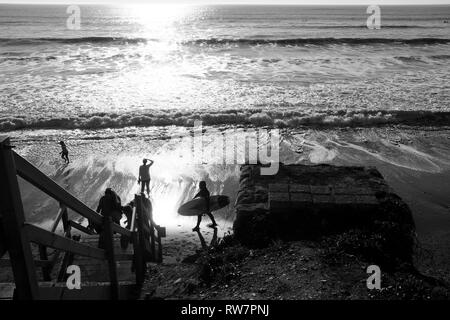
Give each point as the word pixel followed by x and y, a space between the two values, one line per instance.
pixel 198 206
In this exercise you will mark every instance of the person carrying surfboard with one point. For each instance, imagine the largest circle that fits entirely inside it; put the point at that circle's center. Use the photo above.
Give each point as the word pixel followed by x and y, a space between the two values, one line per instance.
pixel 144 175
pixel 204 193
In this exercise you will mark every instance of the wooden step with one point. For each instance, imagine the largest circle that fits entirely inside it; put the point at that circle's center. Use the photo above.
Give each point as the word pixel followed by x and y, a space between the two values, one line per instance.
pixel 88 291
pixel 6 291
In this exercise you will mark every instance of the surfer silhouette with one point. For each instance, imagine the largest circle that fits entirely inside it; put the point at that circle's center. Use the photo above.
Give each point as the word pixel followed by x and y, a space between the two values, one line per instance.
pixel 204 193
pixel 64 152
pixel 144 175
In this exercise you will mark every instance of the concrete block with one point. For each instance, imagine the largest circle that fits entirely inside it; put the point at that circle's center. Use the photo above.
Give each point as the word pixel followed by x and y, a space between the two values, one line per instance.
pixel 321 198
pixel 300 197
pixel 279 201
pixel 353 190
pixel 344 199
pixel 299 188
pixel 320 189
pixel 278 187
pixel 366 199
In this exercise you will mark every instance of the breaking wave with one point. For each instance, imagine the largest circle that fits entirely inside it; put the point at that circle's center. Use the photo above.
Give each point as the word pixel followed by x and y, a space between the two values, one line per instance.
pixel 236 41
pixel 322 41
pixel 254 117
pixel 105 40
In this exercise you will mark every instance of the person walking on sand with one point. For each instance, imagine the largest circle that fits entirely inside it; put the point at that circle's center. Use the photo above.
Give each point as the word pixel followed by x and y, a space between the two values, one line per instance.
pixel 204 193
pixel 144 175
pixel 64 152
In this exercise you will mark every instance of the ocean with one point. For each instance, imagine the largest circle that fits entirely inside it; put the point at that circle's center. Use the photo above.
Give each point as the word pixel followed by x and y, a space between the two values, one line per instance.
pixel 134 77
pixel 298 65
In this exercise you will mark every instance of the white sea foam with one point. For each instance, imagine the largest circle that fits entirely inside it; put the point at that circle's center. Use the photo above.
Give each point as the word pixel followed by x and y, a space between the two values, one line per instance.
pixel 256 117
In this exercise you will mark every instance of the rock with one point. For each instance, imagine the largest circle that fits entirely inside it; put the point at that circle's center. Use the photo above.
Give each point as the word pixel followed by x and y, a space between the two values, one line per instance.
pixel 305 202
pixel 190 286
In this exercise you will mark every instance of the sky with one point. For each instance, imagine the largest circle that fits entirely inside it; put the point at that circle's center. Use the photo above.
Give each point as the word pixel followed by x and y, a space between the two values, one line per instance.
pixel 304 2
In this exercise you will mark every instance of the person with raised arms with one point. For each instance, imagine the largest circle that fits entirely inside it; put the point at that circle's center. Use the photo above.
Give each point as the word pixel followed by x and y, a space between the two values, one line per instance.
pixel 144 175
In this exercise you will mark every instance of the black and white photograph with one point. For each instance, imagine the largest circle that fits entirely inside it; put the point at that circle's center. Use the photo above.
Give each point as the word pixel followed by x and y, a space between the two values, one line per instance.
pixel 225 154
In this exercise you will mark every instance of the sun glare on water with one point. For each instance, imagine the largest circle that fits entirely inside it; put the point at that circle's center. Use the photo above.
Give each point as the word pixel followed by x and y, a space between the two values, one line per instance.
pixel 159 20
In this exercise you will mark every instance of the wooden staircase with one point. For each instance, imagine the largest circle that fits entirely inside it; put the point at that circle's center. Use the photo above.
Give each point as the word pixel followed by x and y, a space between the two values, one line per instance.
pixel 112 272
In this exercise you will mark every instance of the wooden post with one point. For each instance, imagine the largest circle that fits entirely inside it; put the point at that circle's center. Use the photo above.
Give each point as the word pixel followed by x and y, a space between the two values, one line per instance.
pixel 150 223
pixel 2 240
pixel 160 254
pixel 65 220
pixel 138 260
pixel 140 243
pixel 45 269
pixel 109 247
pixel 13 219
pixel 68 257
pixel 152 243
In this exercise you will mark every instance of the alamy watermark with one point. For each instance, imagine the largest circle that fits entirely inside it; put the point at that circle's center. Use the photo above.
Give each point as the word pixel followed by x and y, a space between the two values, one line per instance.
pixel 252 146
pixel 74 279
pixel 374 20
pixel 374 280
pixel 74 20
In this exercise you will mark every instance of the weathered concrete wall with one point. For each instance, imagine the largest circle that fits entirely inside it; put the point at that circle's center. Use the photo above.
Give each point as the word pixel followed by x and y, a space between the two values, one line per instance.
pixel 306 202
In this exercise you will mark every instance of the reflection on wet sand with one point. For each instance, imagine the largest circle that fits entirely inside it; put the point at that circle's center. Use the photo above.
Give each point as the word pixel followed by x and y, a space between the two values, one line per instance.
pixel 202 239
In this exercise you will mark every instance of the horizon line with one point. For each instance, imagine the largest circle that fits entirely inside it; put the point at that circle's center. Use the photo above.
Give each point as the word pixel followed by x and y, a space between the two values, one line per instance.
pixel 160 2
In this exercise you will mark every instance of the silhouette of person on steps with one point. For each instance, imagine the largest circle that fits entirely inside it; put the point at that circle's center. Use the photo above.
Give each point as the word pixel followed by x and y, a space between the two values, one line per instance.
pixel 109 205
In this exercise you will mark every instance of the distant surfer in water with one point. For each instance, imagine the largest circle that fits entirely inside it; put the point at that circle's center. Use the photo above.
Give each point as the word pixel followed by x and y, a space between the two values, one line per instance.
pixel 144 175
pixel 64 152
pixel 204 193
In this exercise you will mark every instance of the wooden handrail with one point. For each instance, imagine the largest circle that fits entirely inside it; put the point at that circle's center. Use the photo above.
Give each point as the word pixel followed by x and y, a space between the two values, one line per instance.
pixel 79 227
pixel 56 222
pixel 18 233
pixel 52 240
pixel 34 176
pixel 133 220
pixel 118 229
pixel 37 263
pixel 31 174
pixel 13 218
